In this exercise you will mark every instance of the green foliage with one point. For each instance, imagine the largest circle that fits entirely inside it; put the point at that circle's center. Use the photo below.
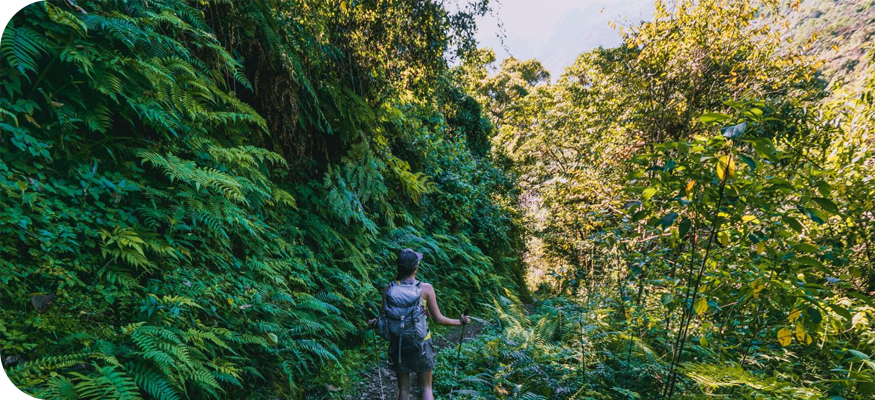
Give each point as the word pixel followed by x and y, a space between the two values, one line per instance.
pixel 703 178
pixel 200 198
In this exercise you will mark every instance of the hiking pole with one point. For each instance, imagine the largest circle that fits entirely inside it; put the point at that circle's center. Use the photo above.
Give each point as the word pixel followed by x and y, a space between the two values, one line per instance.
pixel 379 367
pixel 458 354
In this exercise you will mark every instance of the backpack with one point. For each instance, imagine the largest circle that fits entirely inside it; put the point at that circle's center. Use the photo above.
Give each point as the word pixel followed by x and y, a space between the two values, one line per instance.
pixel 403 317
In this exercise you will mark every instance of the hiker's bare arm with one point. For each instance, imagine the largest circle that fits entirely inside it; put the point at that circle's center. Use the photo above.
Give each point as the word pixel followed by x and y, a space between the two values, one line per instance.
pixel 372 323
pixel 431 300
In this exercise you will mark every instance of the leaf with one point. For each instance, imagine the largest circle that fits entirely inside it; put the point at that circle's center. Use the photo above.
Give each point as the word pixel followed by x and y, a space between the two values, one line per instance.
pixel 689 186
pixel 638 216
pixel 859 354
pixel 841 311
pixel 701 306
pixel 750 218
pixel 800 333
pixel 666 298
pixel 812 215
pixel 668 219
pixel 685 226
pixel 826 204
pixel 785 337
pixel 866 388
pixel 802 336
pixel 814 315
pixel 734 131
pixel 723 237
pixel 807 248
pixel 648 193
pixel 811 262
pixel 710 117
pixel 793 223
pixel 272 339
pixel 749 161
pixel 794 315
pixel 761 247
pixel 725 168
pixel 757 287
pixel 765 148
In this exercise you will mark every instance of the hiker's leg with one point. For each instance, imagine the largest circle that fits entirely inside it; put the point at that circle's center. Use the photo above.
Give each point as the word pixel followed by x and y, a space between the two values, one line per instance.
pixel 425 385
pixel 403 386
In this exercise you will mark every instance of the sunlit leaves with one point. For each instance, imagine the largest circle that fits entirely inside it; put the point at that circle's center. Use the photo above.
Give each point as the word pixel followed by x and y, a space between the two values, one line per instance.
pixel 826 204
pixel 802 336
pixel 710 117
pixel 785 336
pixel 723 238
pixel 701 306
pixel 689 187
pixel 725 167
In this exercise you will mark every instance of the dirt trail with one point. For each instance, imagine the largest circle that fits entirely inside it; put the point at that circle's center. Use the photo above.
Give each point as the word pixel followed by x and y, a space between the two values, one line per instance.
pixel 369 386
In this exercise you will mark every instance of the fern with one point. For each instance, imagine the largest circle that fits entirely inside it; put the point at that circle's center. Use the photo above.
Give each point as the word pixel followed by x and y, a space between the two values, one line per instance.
pixel 22 48
pixel 213 188
pixel 711 375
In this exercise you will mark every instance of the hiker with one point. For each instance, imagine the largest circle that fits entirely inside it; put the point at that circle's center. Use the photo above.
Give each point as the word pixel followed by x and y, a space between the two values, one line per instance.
pixel 407 303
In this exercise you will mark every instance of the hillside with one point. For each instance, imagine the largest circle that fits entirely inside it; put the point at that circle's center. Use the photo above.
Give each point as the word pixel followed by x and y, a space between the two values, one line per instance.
pixel 845 31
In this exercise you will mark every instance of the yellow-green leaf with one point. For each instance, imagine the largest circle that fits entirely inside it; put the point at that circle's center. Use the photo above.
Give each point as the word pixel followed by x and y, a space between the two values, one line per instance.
pixel 800 333
pixel 725 167
pixel 701 306
pixel 724 238
pixel 757 287
pixel 785 336
pixel 750 218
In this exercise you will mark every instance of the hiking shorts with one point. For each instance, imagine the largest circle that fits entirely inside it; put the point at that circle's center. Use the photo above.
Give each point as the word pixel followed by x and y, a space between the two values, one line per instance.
pixel 414 358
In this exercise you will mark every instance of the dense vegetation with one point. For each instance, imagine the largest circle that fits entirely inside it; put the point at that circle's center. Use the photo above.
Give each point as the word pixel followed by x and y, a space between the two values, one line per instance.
pixel 701 201
pixel 201 198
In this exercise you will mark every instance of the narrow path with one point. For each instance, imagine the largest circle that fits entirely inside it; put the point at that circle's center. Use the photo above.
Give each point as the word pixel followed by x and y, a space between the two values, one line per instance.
pixel 369 385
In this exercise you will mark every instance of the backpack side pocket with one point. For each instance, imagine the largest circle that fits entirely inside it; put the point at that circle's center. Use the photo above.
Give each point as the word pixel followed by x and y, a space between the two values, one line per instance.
pixel 383 328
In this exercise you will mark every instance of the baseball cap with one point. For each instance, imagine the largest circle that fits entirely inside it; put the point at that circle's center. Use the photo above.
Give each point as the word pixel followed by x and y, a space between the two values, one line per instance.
pixel 408 259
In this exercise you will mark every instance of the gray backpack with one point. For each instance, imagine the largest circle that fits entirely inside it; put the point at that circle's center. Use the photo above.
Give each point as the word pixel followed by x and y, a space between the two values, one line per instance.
pixel 403 317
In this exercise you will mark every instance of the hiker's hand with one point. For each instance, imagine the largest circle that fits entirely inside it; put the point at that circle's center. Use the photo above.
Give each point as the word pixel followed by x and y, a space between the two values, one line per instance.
pixel 465 320
pixel 372 323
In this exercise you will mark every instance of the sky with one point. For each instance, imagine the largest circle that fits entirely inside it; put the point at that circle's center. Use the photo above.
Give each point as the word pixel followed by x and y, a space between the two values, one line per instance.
pixel 556 31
